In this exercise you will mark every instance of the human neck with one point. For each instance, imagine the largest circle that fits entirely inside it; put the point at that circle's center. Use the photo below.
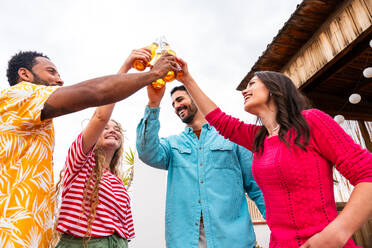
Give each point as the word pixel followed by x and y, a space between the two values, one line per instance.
pixel 109 154
pixel 197 122
pixel 268 118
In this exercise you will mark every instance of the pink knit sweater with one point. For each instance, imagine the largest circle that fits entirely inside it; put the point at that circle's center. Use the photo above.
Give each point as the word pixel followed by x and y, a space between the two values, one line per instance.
pixel 298 185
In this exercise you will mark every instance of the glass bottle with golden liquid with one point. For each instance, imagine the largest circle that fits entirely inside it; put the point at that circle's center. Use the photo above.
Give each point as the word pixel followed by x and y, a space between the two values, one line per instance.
pixel 171 75
pixel 141 64
pixel 158 84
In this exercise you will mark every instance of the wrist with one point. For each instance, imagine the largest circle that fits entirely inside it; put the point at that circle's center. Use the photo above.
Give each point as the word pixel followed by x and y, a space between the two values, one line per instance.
pixel 153 104
pixel 154 74
pixel 187 79
pixel 124 69
pixel 338 232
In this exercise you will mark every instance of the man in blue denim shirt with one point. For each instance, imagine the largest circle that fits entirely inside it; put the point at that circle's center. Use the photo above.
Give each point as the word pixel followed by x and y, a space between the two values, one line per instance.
pixel 208 177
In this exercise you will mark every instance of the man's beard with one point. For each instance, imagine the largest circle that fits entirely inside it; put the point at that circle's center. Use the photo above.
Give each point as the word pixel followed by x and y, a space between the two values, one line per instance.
pixel 191 110
pixel 38 80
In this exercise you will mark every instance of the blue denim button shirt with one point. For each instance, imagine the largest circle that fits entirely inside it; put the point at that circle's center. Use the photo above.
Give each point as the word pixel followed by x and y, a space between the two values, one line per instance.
pixel 209 175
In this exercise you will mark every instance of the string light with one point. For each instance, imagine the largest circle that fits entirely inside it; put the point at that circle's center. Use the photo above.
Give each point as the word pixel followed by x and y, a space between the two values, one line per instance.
pixel 367 73
pixel 355 98
pixel 339 119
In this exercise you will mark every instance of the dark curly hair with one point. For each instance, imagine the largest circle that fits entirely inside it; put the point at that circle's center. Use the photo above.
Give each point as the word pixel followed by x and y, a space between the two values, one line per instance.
pixel 180 87
pixel 21 60
pixel 290 103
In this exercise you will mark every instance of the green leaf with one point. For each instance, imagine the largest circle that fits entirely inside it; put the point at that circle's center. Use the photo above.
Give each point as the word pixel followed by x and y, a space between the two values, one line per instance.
pixel 127 175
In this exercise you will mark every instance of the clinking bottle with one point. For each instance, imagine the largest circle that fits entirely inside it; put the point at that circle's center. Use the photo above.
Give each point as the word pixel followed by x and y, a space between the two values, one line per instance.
pixel 141 64
pixel 171 75
pixel 159 83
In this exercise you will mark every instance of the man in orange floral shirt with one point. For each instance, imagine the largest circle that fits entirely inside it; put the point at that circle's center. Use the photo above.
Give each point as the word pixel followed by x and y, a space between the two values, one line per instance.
pixel 27 135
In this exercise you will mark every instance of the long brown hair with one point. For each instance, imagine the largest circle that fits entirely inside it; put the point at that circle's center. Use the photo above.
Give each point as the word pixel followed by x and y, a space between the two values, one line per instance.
pixel 91 189
pixel 290 103
pixel 92 185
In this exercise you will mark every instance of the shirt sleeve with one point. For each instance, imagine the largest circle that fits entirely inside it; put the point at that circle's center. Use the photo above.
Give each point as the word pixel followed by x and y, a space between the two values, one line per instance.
pixel 333 143
pixel 151 149
pixel 250 185
pixel 232 128
pixel 30 100
pixel 76 158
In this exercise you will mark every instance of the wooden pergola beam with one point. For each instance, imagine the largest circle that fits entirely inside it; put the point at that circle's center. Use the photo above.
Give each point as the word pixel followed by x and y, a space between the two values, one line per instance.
pixel 342 32
pixel 337 104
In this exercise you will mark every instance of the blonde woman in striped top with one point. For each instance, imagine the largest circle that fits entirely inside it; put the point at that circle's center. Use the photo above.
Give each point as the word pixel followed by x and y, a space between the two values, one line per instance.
pixel 95 209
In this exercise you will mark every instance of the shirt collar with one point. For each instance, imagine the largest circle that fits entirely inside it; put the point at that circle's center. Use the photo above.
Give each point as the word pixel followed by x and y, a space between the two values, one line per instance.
pixel 190 130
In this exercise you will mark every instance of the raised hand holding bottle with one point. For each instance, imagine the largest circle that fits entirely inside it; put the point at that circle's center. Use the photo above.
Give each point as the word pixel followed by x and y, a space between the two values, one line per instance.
pixel 141 64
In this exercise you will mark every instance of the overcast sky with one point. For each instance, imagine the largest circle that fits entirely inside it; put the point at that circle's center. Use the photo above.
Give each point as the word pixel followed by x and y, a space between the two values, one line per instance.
pixel 220 40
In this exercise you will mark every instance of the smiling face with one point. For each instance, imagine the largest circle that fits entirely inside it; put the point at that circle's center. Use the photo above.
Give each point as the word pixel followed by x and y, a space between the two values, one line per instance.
pixel 111 137
pixel 256 95
pixel 183 106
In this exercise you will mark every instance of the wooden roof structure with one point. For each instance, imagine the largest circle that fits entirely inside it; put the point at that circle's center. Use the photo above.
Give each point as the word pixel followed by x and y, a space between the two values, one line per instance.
pixel 324 48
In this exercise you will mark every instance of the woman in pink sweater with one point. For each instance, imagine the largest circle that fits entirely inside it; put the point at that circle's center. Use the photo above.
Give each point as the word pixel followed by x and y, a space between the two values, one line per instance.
pixel 294 153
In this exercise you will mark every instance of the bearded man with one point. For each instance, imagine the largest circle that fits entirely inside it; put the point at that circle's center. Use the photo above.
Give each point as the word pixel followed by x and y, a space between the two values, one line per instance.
pixel 208 177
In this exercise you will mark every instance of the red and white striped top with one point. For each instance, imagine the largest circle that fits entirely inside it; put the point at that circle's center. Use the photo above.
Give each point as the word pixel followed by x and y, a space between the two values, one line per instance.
pixel 113 212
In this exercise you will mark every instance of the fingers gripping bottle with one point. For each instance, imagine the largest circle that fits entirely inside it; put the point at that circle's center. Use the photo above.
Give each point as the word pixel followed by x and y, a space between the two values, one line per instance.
pixel 158 84
pixel 171 75
pixel 141 64
pixel 179 74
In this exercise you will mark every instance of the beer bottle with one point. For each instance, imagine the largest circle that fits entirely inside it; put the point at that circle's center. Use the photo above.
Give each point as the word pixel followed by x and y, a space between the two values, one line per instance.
pixel 158 84
pixel 171 75
pixel 179 73
pixel 141 64
pixel 162 48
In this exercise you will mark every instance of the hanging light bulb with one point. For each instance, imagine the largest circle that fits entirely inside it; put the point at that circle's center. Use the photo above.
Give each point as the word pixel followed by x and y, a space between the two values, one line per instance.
pixel 339 119
pixel 370 43
pixel 355 98
pixel 367 73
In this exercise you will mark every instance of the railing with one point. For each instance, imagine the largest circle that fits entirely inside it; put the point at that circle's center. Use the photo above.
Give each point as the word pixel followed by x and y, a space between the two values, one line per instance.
pixel 255 213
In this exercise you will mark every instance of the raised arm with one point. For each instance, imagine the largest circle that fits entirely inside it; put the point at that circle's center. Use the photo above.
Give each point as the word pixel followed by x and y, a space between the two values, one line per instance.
pixel 103 90
pixel 151 149
pixel 231 128
pixel 102 114
pixel 204 103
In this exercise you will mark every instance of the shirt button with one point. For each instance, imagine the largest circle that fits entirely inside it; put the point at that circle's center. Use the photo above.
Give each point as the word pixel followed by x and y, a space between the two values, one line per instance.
pixel 201 181
pixel 196 223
